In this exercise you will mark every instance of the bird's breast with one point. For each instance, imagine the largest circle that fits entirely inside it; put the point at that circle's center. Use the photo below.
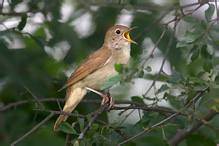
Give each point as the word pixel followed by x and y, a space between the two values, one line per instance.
pixel 96 79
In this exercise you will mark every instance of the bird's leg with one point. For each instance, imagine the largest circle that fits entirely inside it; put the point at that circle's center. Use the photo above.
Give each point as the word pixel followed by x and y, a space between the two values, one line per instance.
pixel 105 97
pixel 110 98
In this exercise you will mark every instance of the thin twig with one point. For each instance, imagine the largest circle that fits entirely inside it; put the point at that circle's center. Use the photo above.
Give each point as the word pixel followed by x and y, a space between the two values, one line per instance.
pixel 164 60
pixel 98 112
pixel 33 129
pixel 10 105
pixel 84 117
pixel 184 133
pixel 68 139
pixel 165 120
pixel 150 26
pixel 126 117
pixel 34 96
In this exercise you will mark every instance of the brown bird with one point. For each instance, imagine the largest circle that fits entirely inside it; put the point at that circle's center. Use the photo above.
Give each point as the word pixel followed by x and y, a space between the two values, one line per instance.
pixel 97 69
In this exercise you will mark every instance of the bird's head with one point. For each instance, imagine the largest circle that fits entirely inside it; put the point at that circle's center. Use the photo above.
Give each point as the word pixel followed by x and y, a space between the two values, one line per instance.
pixel 118 35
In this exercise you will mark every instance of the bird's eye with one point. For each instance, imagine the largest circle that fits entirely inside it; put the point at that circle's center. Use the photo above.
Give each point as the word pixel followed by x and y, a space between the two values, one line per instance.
pixel 118 31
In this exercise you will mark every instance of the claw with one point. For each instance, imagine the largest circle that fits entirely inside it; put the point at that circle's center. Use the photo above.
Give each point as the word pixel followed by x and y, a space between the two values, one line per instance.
pixel 111 105
pixel 106 98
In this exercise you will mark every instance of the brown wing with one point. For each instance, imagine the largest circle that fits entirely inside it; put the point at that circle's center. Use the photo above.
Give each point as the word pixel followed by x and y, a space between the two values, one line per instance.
pixel 94 61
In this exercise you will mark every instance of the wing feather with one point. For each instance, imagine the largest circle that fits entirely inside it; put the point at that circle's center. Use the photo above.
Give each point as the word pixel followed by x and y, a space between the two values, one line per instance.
pixel 94 61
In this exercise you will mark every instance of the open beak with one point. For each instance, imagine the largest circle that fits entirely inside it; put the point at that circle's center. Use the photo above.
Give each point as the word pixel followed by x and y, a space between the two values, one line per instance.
pixel 127 37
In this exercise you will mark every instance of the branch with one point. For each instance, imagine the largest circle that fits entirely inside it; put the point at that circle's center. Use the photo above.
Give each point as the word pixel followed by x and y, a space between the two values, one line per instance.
pixel 97 113
pixel 34 96
pixel 183 133
pixel 15 104
pixel 33 129
pixel 165 120
pixel 84 117
pixel 164 59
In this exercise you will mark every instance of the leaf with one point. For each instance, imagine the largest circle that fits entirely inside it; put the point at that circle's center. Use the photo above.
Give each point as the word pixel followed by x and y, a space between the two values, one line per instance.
pixel 205 52
pixel 175 78
pixel 148 69
pixel 112 81
pixel 89 117
pixel 67 128
pixel 94 127
pixel 209 12
pixel 40 42
pixel 201 74
pixel 208 65
pixel 181 44
pixel 203 25
pixel 196 80
pixel 164 87
pixel 190 19
pixel 195 55
pixel 189 124
pixel 141 74
pixel 214 108
pixel 81 123
pixel 119 67
pixel 137 99
pixel 23 22
pixel 193 37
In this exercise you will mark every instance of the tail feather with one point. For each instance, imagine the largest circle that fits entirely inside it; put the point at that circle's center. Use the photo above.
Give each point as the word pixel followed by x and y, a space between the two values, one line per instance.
pixel 73 96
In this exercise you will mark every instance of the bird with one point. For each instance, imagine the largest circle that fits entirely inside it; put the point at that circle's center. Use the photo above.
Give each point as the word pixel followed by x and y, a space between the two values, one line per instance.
pixel 97 69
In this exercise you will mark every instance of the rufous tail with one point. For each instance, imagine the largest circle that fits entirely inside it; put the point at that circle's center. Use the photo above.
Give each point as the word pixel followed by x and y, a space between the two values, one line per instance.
pixel 73 96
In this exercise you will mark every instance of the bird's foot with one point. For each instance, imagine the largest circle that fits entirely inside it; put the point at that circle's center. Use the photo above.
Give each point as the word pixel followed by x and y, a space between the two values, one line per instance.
pixel 106 98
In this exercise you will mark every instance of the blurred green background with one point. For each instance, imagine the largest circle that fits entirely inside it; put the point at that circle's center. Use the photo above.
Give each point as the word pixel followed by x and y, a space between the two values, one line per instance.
pixel 42 42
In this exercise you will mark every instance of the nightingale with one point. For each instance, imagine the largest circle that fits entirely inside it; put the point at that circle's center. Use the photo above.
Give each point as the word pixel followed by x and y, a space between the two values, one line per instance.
pixel 97 69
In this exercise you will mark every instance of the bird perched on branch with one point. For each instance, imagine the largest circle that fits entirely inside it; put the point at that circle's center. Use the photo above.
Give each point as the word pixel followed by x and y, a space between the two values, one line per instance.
pixel 97 69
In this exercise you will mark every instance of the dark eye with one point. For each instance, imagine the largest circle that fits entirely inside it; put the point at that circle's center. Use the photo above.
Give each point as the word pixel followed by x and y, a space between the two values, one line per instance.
pixel 118 31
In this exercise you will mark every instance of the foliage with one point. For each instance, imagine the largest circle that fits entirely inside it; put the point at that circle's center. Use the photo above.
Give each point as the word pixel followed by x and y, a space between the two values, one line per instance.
pixel 45 45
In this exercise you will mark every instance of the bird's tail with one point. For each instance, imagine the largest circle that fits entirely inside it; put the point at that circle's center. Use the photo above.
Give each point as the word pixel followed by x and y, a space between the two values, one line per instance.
pixel 73 96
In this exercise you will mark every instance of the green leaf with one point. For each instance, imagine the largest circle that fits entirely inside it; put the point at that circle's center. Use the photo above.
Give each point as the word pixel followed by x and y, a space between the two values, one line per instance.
pixel 81 123
pixel 94 127
pixel 175 78
pixel 137 99
pixel 67 128
pixel 193 37
pixel 196 80
pixel 23 22
pixel 203 25
pixel 195 55
pixel 164 87
pixel 205 52
pixel 189 123
pixel 119 67
pixel 141 74
pixel 209 12
pixel 148 69
pixel 201 74
pixel 190 19
pixel 40 42
pixel 89 117
pixel 181 44
pixel 208 65
pixel 112 81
